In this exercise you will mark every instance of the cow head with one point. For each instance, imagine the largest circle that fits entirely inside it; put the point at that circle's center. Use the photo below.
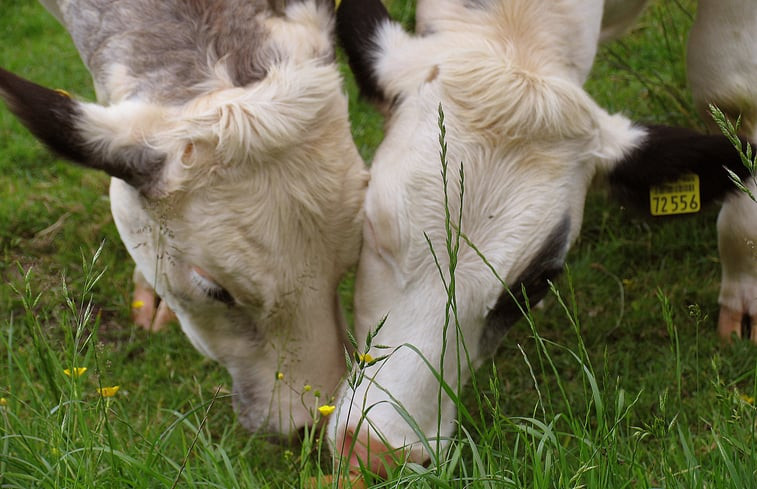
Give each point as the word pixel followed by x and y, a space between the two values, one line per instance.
pixel 241 203
pixel 523 143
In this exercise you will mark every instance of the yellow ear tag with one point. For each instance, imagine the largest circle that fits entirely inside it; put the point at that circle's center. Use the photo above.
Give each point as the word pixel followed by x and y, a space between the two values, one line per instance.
pixel 60 91
pixel 681 196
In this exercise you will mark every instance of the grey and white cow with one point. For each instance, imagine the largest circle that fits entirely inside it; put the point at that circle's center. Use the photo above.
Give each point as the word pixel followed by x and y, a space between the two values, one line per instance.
pixel 508 75
pixel 236 186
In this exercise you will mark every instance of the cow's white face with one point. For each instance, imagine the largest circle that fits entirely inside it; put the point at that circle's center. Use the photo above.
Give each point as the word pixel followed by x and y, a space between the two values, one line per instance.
pixel 248 254
pixel 522 208
pixel 530 141
pixel 257 296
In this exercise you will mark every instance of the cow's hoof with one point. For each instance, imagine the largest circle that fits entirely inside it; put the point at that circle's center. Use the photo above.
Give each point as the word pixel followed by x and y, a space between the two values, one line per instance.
pixel 732 321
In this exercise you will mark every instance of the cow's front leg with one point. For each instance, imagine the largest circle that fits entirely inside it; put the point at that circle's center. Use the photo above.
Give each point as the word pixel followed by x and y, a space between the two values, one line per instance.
pixel 737 242
pixel 147 310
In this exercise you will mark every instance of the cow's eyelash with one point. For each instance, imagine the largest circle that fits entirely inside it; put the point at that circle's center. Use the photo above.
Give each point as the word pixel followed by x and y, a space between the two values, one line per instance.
pixel 211 289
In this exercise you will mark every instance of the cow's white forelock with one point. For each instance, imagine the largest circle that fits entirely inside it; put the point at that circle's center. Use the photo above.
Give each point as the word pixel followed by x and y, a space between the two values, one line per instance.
pixel 562 34
pixel 306 34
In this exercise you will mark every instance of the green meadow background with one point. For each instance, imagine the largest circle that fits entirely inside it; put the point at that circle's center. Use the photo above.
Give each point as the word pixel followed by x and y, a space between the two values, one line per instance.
pixel 618 381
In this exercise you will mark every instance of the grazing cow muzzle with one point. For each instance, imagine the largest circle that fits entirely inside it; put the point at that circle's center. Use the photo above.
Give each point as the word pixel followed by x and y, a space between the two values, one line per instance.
pixel 237 188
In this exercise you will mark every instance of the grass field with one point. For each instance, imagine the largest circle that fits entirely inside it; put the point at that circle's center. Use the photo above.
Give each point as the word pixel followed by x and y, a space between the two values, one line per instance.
pixel 619 381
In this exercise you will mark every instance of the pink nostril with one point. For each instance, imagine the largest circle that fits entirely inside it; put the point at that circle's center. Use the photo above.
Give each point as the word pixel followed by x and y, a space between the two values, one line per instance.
pixel 348 450
pixel 374 455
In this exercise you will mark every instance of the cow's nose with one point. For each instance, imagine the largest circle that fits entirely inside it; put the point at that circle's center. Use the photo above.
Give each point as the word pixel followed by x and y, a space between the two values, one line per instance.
pixel 248 410
pixel 362 450
pixel 257 422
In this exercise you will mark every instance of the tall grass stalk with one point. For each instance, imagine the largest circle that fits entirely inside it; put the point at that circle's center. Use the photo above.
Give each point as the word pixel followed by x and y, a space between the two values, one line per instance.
pixel 745 150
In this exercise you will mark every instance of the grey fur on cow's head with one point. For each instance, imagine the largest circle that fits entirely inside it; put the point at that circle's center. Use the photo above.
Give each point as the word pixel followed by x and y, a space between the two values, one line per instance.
pixel 508 75
pixel 237 188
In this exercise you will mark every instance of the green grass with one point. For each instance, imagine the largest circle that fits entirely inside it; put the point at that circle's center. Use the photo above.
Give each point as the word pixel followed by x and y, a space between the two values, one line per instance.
pixel 619 381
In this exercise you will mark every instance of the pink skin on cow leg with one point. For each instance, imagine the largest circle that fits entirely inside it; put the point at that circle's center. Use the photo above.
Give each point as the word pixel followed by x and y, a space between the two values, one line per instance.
pixel 143 307
pixel 729 323
pixel 163 317
pixel 144 303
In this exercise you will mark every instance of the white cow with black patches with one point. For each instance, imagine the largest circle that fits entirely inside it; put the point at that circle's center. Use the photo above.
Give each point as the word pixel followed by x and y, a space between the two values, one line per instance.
pixel 508 75
pixel 721 69
pixel 237 187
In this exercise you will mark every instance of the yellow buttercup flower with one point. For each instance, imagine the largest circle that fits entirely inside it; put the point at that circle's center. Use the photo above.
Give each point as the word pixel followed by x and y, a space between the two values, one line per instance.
pixel 365 357
pixel 138 304
pixel 76 372
pixel 279 376
pixel 3 401
pixel 747 399
pixel 108 391
pixel 326 409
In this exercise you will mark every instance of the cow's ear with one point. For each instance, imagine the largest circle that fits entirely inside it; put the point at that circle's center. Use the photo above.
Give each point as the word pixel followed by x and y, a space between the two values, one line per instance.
pixel 104 138
pixel 358 24
pixel 664 154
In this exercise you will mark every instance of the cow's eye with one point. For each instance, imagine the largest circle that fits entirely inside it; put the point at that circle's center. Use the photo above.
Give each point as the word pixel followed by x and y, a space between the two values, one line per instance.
pixel 211 289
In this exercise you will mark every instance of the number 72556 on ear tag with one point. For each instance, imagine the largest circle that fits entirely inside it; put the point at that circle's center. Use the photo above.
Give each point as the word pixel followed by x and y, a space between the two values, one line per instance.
pixel 677 197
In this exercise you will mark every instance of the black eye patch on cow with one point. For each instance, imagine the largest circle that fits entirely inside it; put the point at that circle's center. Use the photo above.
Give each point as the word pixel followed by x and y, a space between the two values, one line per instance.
pixel 544 267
